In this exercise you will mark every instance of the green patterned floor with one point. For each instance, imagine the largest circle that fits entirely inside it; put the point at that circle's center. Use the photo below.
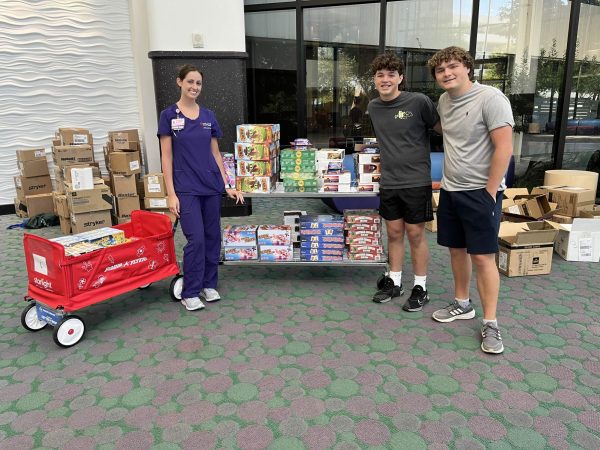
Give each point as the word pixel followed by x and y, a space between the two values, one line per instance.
pixel 297 358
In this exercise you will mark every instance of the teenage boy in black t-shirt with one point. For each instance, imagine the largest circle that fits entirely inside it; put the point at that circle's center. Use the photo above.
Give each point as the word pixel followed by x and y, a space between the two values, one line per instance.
pixel 402 121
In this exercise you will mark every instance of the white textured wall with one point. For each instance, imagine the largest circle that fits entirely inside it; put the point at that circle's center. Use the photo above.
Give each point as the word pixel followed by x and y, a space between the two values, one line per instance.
pixel 62 63
pixel 172 22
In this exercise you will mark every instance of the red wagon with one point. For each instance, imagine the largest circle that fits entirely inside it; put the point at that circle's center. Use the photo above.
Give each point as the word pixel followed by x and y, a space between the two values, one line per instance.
pixel 59 285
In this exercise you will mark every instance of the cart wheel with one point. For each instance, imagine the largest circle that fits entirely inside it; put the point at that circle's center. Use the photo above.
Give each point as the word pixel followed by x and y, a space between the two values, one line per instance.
pixel 381 279
pixel 30 320
pixel 176 288
pixel 144 286
pixel 69 331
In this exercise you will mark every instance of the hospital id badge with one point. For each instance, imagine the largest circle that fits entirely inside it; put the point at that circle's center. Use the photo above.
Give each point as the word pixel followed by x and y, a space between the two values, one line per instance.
pixel 177 124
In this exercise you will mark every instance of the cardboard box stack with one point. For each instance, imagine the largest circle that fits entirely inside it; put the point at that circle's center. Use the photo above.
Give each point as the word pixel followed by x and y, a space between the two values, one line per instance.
pixel 299 169
pixel 321 237
pixel 363 234
pixel 367 165
pixel 123 161
pixel 292 218
pixel 33 185
pixel 239 242
pixel 155 195
pixel 256 153
pixel 435 201
pixel 275 242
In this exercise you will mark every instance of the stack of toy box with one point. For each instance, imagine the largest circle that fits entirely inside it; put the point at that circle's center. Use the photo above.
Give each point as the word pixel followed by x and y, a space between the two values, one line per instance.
pixel 368 169
pixel 363 234
pixel 321 237
pixel 122 157
pixel 292 218
pixel 229 166
pixel 275 242
pixel 256 153
pixel 330 167
pixel 33 185
pixel 298 167
pixel 239 242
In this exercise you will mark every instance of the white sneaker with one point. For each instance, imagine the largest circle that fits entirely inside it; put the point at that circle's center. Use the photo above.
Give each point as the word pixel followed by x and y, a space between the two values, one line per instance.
pixel 192 304
pixel 211 295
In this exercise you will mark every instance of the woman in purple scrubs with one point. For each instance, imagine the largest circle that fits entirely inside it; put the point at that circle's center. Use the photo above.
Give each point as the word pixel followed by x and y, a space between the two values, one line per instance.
pixel 195 180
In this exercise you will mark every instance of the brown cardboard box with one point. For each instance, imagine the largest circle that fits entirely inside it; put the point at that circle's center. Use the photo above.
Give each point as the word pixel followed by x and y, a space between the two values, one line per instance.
pixel 64 173
pixel 20 208
pixel 433 225
pixel 124 163
pixel 33 168
pixel 90 221
pixel 435 200
pixel 124 206
pixel 154 185
pixel 510 193
pixel 97 199
pixel 525 248
pixel 32 186
pixel 61 205
pixel 39 204
pixel 65 155
pixel 75 136
pixel 33 154
pixel 123 186
pixel 123 140
pixel 155 203
pixel 65 224
pixel 571 200
pixel 166 212
pixel 529 207
pixel 559 218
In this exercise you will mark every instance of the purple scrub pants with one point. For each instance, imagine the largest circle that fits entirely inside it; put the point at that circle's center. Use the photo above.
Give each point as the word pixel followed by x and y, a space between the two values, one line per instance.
pixel 200 218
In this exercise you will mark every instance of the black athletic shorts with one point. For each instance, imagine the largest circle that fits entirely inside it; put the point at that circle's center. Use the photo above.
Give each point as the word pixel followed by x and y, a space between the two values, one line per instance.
pixel 411 204
pixel 469 219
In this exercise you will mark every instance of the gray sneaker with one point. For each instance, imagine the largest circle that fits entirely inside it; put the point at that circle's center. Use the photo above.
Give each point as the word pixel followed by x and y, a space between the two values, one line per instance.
pixel 193 303
pixel 453 312
pixel 491 341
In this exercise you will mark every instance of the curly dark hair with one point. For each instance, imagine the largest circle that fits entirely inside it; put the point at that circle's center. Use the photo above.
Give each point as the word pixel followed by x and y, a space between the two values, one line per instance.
pixel 451 53
pixel 387 61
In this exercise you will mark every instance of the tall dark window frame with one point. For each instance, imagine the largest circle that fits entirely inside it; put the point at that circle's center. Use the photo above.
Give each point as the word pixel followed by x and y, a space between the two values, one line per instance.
pixel 558 143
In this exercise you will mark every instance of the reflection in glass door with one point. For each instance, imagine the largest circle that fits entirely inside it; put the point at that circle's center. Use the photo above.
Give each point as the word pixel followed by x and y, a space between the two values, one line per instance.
pixel 340 44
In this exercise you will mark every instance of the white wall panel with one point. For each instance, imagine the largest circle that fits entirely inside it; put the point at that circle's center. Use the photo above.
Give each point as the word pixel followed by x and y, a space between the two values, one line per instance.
pixel 62 63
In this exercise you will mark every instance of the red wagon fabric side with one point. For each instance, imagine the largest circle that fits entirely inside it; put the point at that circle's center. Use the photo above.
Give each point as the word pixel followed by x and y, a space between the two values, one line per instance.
pixel 76 282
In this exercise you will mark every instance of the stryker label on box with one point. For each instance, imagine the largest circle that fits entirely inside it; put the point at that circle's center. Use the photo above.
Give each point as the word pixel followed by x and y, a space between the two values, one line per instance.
pixel 90 221
pixel 240 253
pixel 124 186
pixel 32 186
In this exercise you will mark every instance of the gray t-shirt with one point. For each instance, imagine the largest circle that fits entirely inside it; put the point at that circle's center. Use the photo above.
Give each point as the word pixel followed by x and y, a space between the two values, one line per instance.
pixel 466 123
pixel 401 127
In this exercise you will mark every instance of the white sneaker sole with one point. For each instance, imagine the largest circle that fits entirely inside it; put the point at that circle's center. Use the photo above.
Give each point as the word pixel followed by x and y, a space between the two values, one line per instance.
pixel 200 306
pixel 469 315
pixel 495 352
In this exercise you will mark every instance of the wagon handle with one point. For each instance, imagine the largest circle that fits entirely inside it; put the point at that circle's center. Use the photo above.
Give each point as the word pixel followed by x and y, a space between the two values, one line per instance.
pixel 175 225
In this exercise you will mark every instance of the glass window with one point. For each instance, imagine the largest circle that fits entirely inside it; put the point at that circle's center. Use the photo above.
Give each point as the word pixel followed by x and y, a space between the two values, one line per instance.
pixel 272 92
pixel 520 50
pixel 340 44
pixel 582 148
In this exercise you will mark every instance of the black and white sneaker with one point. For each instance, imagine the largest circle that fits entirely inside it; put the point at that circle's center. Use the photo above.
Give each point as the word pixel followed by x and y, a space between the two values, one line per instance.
pixel 417 299
pixel 388 291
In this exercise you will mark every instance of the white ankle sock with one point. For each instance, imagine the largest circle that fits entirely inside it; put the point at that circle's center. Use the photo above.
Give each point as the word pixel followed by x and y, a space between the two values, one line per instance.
pixel 397 277
pixel 421 281
pixel 493 322
pixel 463 303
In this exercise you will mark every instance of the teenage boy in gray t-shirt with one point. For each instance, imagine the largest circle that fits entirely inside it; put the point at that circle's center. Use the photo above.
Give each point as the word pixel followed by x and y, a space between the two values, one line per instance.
pixel 477 122
pixel 402 121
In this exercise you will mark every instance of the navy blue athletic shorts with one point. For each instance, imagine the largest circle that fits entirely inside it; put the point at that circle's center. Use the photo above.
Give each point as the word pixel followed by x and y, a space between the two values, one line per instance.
pixel 469 219
pixel 411 204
